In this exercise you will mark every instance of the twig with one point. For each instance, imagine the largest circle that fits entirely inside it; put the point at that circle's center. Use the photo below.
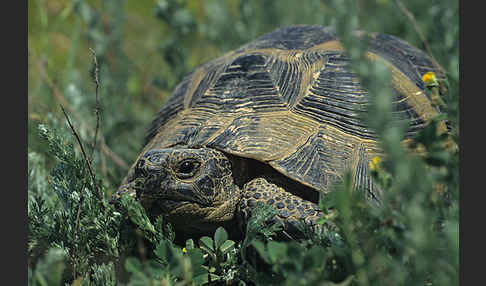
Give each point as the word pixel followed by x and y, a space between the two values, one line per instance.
pixel 411 17
pixel 88 164
pixel 95 61
pixel 76 224
pixel 81 197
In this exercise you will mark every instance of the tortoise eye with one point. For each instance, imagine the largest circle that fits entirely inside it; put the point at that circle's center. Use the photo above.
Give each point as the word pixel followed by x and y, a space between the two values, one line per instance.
pixel 187 168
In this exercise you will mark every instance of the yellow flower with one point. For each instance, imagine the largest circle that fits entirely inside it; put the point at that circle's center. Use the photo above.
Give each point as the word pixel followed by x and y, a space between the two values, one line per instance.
pixel 184 250
pixel 429 78
pixel 374 164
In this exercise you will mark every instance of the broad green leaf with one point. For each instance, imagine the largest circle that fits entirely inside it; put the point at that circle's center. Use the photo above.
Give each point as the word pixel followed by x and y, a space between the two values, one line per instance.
pixel 206 243
pixel 133 265
pixel 227 246
pixel 276 250
pixel 164 252
pixel 260 248
pixel 197 261
pixel 220 236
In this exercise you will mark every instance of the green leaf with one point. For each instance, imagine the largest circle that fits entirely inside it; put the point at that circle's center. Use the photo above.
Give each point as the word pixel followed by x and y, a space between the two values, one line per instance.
pixel 276 250
pixel 205 278
pixel 438 159
pixel 163 251
pixel 321 220
pixel 189 244
pixel 50 268
pixel 139 217
pixel 155 268
pixel 220 237
pixel 227 246
pixel 133 265
pixel 260 248
pixel 206 243
pixel 197 261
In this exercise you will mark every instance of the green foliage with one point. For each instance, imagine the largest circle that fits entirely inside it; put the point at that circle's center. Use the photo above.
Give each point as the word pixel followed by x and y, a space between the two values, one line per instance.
pixel 49 270
pixel 143 51
pixel 75 221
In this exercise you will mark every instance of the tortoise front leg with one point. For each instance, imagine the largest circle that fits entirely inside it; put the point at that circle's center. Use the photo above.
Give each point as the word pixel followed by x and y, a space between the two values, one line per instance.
pixel 290 208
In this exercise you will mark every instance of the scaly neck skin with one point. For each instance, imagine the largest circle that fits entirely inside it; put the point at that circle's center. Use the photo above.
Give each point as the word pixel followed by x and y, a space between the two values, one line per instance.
pixel 226 211
pixel 225 215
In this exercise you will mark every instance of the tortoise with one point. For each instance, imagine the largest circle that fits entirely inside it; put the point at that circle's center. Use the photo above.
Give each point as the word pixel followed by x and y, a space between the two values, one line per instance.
pixel 276 121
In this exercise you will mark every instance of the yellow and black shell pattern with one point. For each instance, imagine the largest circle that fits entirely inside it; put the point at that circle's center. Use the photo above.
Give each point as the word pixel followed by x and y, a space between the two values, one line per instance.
pixel 290 100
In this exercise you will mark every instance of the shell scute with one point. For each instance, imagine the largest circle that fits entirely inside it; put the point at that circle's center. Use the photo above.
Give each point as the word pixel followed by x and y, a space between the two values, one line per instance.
pixel 291 100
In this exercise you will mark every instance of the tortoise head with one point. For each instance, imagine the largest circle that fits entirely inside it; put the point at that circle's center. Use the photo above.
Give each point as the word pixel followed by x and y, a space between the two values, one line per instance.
pixel 192 188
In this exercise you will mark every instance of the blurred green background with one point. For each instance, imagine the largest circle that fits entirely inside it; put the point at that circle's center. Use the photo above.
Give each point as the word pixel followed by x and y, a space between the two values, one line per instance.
pixel 144 48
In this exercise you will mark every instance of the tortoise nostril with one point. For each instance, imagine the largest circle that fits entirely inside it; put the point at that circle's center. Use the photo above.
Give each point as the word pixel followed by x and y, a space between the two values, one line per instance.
pixel 151 162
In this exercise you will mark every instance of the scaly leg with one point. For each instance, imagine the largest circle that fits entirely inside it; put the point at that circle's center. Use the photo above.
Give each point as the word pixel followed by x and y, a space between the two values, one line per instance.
pixel 290 208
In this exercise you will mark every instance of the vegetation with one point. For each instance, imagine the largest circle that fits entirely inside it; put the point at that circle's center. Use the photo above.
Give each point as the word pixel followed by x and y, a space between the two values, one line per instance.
pixel 99 70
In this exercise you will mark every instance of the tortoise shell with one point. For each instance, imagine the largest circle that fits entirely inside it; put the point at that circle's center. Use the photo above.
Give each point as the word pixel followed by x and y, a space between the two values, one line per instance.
pixel 290 100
